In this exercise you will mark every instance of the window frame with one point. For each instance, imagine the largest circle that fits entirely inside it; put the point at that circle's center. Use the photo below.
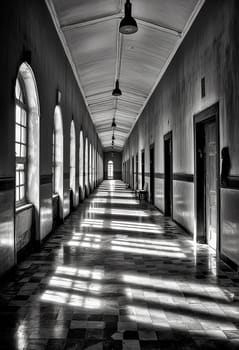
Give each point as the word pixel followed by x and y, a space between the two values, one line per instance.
pixel 22 159
pixel 54 161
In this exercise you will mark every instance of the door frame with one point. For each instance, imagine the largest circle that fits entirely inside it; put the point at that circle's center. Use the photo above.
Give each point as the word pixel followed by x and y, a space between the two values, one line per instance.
pixel 207 115
pixel 142 169
pixel 169 136
pixel 150 199
pixel 132 160
pixel 137 171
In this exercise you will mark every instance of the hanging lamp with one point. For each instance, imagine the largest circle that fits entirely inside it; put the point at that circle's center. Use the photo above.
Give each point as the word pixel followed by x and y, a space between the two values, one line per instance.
pixel 117 91
pixel 113 125
pixel 128 24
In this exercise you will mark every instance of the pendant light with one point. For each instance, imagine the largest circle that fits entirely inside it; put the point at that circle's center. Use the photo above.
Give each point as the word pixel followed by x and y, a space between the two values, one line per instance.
pixel 113 136
pixel 112 143
pixel 128 24
pixel 113 123
pixel 117 91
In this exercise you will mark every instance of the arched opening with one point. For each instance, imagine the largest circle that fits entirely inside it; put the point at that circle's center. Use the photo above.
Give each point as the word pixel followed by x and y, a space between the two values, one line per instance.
pixel 90 166
pixel 110 170
pixel 73 165
pixel 27 140
pixel 86 168
pixel 81 166
pixel 93 167
pixel 57 166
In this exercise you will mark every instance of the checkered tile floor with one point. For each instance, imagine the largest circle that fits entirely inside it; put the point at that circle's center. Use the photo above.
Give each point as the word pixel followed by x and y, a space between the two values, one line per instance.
pixel 119 275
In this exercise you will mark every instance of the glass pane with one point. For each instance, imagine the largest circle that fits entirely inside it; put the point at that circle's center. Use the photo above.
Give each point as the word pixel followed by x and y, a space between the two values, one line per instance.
pixel 17 194
pixel 22 178
pixel 24 117
pixel 17 89
pixel 17 149
pixel 23 151
pixel 17 178
pixel 18 133
pixel 18 114
pixel 22 192
pixel 24 135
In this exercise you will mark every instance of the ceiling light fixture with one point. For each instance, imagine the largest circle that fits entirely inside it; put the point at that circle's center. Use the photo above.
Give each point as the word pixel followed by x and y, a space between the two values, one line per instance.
pixel 117 91
pixel 113 123
pixel 128 24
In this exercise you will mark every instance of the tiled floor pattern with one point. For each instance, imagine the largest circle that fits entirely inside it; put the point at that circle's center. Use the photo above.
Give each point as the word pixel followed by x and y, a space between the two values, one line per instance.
pixel 118 275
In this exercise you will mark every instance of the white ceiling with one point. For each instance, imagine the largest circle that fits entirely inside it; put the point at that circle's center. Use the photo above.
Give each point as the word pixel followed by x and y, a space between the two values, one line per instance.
pixel 99 54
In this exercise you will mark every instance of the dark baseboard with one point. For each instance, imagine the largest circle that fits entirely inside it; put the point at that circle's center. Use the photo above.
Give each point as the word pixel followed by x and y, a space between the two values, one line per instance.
pixel 229 262
pixel 25 252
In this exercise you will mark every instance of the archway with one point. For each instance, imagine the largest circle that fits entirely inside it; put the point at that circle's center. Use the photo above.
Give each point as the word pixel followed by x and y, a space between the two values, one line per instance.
pixel 86 168
pixel 73 164
pixel 81 166
pixel 110 170
pixel 58 158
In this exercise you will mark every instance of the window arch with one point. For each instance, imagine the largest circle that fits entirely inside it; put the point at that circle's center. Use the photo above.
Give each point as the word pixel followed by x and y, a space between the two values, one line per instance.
pixel 73 160
pixel 81 165
pixel 57 157
pixel 90 165
pixel 86 166
pixel 21 142
pixel 27 140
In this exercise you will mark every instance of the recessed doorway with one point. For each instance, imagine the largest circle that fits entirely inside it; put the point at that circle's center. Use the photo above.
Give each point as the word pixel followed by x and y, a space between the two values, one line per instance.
pixel 206 129
pixel 168 175
pixel 110 170
pixel 151 174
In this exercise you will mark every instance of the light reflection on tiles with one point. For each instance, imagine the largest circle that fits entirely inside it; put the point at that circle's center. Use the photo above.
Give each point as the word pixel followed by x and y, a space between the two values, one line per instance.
pixel 117 283
pixel 71 299
pixel 120 212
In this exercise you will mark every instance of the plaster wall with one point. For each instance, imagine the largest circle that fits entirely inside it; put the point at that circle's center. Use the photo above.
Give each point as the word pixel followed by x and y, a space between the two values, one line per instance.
pixel 210 50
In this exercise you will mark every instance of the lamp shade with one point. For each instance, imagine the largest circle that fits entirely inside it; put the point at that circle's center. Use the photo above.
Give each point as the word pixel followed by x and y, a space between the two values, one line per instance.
pixel 128 24
pixel 113 123
pixel 117 91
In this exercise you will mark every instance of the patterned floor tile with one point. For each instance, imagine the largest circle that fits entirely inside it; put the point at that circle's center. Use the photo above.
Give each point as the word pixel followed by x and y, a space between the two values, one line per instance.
pixel 119 275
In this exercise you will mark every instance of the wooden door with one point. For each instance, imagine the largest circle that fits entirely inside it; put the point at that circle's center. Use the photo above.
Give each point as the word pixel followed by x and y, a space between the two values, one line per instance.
pixel 142 169
pixel 137 172
pixel 152 174
pixel 211 183
pixel 133 173
pixel 168 207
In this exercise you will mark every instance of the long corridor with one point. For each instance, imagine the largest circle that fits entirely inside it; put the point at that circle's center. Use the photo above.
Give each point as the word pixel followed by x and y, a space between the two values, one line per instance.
pixel 119 275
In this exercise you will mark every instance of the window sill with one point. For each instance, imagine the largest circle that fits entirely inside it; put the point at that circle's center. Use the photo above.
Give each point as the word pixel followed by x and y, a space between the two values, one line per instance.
pixel 24 207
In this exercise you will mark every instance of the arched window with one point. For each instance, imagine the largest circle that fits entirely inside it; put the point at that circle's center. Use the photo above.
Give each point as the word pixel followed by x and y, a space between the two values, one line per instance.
pixel 90 165
pixel 27 155
pixel 21 142
pixel 57 157
pixel 73 159
pixel 27 114
pixel 86 166
pixel 81 165
pixel 110 172
pixel 93 166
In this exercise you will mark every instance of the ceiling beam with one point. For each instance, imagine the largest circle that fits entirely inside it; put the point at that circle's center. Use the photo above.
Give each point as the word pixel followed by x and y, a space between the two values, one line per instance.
pixel 90 22
pixel 158 27
pixel 119 15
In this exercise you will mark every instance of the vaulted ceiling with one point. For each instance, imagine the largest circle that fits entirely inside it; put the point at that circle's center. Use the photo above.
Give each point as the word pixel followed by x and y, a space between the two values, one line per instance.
pixel 99 54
